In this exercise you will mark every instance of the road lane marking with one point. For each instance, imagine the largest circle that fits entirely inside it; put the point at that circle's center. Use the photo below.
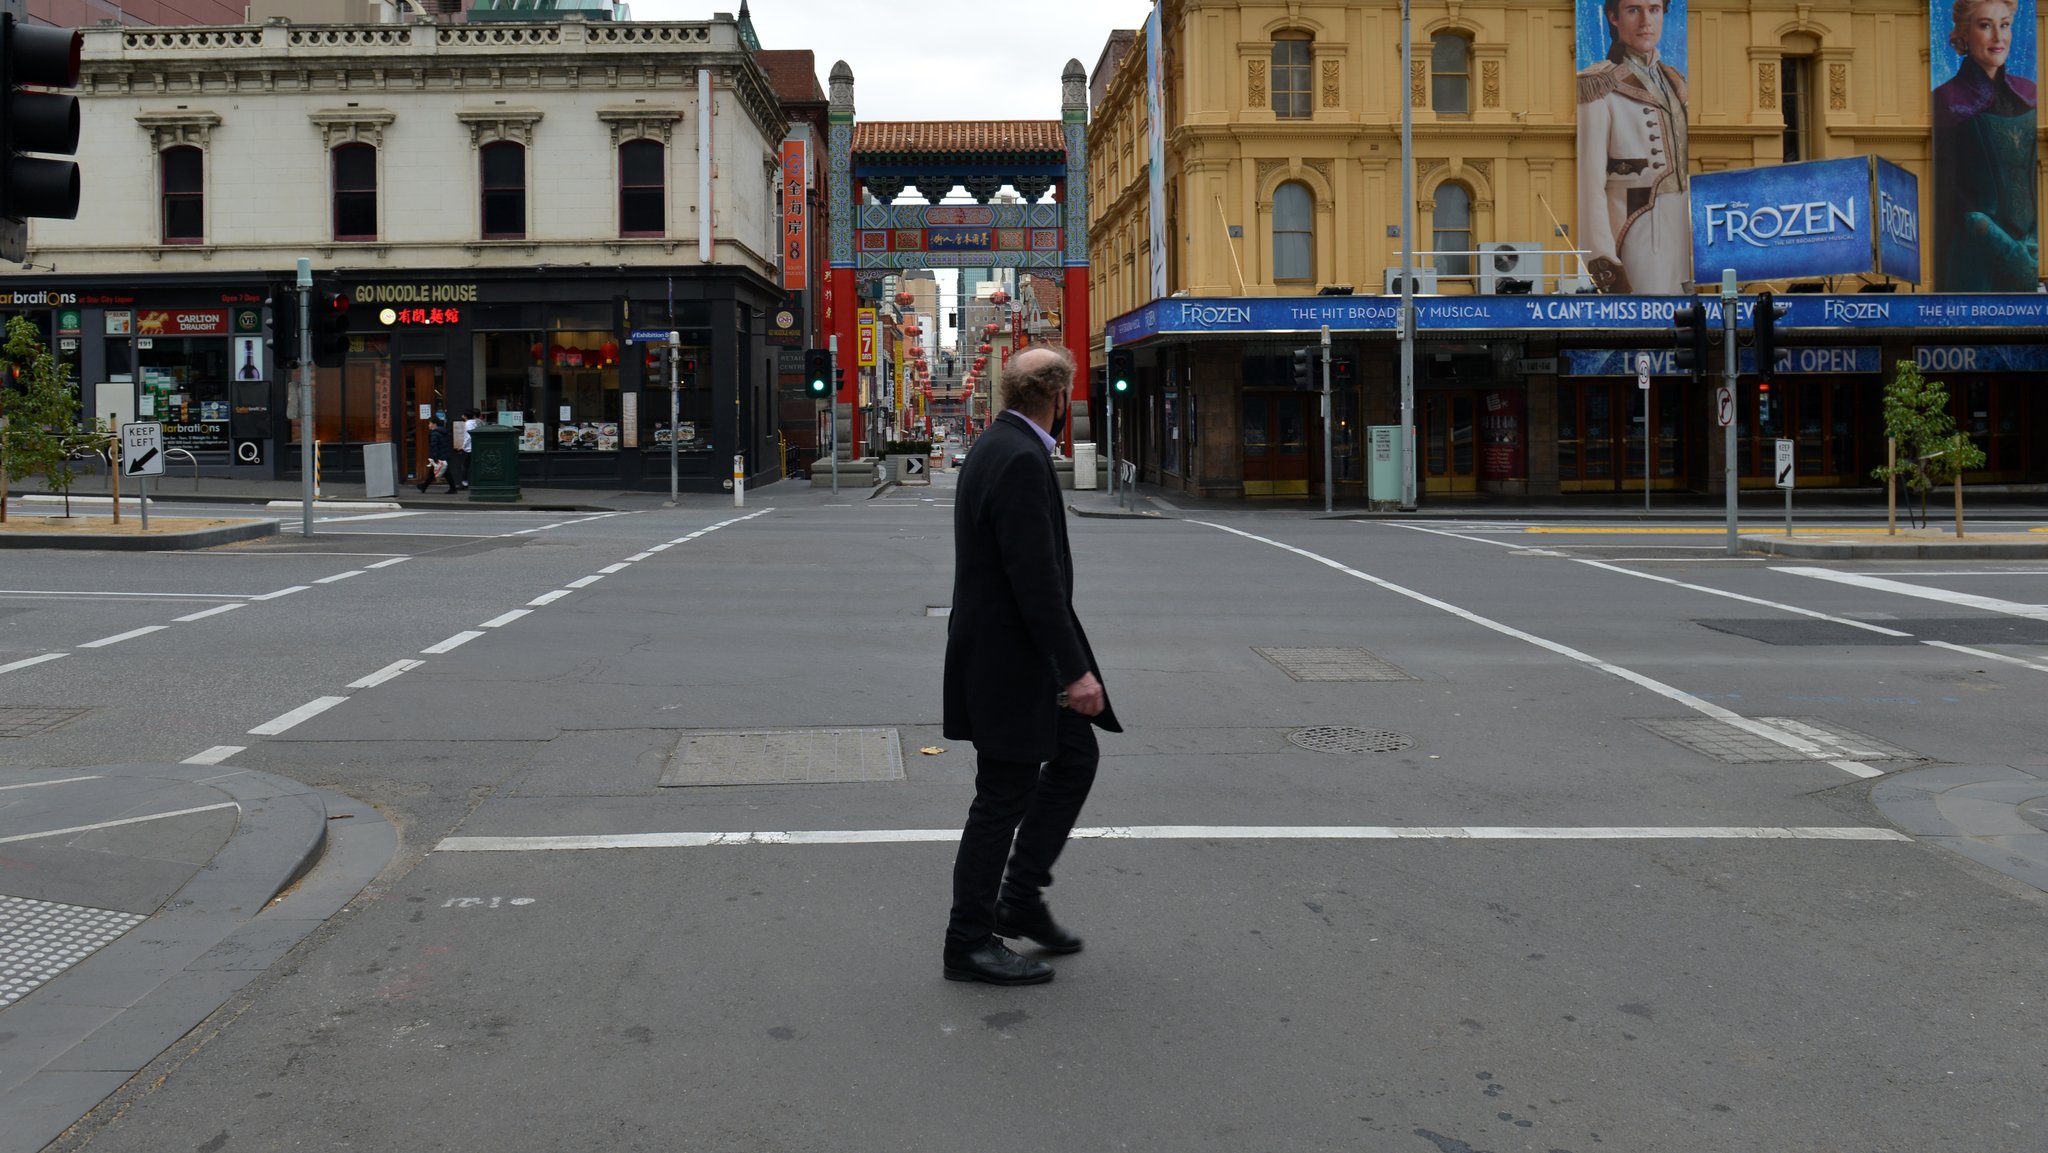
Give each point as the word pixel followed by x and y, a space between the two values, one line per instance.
pixel 586 582
pixel 340 576
pixel 130 635
pixel 212 612
pixel 40 784
pixel 366 516
pixel 1181 833
pixel 503 619
pixel 117 824
pixel 305 712
pixel 548 598
pixel 22 664
pixel 74 594
pixel 1769 732
pixel 388 672
pixel 214 755
pixel 1901 588
pixel 640 556
pixel 1989 655
pixel 389 563
pixel 452 643
pixel 281 593
pixel 620 567
pixel 1735 596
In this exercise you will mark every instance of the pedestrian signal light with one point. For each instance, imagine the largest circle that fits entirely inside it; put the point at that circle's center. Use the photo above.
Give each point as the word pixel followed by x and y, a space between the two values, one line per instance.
pixel 818 373
pixel 1122 367
pixel 32 121
pixel 1343 371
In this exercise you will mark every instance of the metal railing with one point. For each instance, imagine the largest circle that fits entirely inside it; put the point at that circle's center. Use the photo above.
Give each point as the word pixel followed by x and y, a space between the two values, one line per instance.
pixel 1498 270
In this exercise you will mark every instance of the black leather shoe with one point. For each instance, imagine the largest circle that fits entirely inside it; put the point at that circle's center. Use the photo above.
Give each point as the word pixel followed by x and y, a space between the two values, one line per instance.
pixel 994 963
pixel 1034 923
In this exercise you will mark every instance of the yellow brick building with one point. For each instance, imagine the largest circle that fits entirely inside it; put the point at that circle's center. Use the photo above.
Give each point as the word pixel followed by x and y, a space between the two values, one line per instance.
pixel 1282 178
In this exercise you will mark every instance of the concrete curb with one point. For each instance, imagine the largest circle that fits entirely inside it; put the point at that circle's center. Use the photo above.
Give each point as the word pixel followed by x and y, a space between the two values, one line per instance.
pixel 1965 549
pixel 1116 514
pixel 1996 815
pixel 108 1017
pixel 166 542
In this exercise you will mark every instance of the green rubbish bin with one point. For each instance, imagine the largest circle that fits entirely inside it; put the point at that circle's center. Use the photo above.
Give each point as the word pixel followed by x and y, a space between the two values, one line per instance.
pixel 494 463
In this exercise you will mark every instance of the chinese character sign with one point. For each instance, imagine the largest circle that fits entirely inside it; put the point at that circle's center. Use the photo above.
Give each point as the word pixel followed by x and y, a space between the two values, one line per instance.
pixel 1634 222
pixel 795 215
pixel 1986 238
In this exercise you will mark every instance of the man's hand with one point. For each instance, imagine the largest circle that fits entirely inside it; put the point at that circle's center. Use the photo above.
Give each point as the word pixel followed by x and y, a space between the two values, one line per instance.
pixel 1608 275
pixel 1085 696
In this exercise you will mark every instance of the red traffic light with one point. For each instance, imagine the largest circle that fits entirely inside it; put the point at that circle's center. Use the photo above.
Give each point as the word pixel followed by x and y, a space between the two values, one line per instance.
pixel 338 302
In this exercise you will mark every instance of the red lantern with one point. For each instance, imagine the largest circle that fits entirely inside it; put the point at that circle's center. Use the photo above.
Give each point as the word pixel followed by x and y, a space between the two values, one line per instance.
pixel 610 351
pixel 984 349
pixel 1000 297
pixel 905 299
pixel 988 329
pixel 573 357
pixel 917 352
pixel 980 363
pixel 912 329
pixel 537 352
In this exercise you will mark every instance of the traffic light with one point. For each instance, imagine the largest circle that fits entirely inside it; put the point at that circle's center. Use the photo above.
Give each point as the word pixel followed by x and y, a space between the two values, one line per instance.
pixel 36 121
pixel 1764 327
pixel 1343 371
pixel 818 373
pixel 1763 402
pixel 1122 368
pixel 330 326
pixel 838 380
pixel 1691 323
pixel 282 328
pixel 1305 368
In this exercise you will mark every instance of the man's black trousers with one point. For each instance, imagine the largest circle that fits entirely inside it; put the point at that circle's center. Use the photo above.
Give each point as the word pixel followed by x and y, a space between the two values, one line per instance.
pixel 1020 819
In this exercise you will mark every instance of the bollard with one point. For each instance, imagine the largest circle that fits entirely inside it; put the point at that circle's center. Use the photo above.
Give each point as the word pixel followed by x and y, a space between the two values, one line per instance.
pixel 316 470
pixel 739 481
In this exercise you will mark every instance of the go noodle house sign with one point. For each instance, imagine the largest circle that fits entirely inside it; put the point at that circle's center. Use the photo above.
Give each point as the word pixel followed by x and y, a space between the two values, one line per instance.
pixel 410 294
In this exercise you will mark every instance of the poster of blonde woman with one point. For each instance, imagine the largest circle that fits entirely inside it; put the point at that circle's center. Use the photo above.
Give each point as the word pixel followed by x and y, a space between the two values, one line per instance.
pixel 1635 225
pixel 1986 238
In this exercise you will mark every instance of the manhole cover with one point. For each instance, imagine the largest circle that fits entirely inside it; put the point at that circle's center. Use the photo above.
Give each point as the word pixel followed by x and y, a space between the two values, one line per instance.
pixel 1348 739
pixel 785 757
pixel 40 939
pixel 1331 664
pixel 27 721
pixel 1737 746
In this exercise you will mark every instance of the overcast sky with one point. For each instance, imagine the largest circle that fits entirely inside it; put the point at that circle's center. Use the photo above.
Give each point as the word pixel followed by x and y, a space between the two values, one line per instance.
pixel 953 60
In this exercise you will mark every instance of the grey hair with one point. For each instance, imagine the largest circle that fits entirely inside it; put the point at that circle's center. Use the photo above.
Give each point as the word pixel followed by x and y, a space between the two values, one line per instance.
pixel 1033 389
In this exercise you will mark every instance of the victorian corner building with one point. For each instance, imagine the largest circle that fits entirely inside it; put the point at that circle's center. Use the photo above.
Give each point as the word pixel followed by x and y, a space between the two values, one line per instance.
pixel 504 205
pixel 1245 181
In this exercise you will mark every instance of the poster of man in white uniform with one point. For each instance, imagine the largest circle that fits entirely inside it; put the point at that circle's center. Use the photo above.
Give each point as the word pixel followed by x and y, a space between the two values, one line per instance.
pixel 1635 225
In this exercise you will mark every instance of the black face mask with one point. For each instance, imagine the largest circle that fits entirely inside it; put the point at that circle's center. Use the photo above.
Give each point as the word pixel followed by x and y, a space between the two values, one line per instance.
pixel 1059 420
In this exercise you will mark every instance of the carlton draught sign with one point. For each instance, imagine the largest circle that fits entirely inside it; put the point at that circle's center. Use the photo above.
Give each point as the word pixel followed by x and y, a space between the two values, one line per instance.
pixel 1822 218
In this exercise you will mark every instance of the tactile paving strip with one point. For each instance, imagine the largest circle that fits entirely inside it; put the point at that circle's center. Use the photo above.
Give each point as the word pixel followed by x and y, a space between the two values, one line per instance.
pixel 27 721
pixel 1731 745
pixel 40 939
pixel 1331 664
pixel 785 757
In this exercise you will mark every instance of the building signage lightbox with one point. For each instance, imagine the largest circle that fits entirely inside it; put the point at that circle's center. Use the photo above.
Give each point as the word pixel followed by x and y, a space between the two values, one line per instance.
pixel 1821 218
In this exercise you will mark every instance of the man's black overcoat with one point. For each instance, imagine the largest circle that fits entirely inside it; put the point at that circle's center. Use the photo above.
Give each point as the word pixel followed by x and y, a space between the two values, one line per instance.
pixel 1013 641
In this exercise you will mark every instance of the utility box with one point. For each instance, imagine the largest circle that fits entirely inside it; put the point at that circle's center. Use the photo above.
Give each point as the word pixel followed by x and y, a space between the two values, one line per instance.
pixel 1084 464
pixel 380 467
pixel 1383 450
pixel 494 464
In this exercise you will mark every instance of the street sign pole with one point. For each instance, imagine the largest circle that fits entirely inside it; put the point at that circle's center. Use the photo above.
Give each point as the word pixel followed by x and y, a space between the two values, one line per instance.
pixel 1729 299
pixel 1329 480
pixel 1786 481
pixel 675 415
pixel 1643 384
pixel 307 465
pixel 1109 407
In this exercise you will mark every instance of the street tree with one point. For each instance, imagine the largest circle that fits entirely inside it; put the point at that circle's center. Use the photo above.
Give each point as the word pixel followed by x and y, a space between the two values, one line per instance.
pixel 1930 449
pixel 40 409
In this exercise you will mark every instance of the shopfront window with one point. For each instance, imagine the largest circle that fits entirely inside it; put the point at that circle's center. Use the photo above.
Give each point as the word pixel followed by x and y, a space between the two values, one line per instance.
pixel 558 387
pixel 185 385
pixel 352 402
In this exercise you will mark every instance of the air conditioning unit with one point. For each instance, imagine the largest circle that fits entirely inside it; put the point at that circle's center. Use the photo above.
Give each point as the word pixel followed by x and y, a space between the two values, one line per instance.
pixel 1512 266
pixel 1425 280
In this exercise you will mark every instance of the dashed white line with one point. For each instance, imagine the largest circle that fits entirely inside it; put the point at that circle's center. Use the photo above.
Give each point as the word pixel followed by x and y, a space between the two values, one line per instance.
pixel 130 635
pixel 388 672
pixel 453 643
pixel 503 619
pixel 116 824
pixel 281 593
pixel 22 664
pixel 340 576
pixel 42 784
pixel 389 563
pixel 214 755
pixel 586 582
pixel 612 568
pixel 548 598
pixel 305 712
pixel 1181 833
pixel 640 556
pixel 212 612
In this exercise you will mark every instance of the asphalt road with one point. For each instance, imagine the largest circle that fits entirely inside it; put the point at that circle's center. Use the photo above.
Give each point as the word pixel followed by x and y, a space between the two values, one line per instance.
pixel 1538 921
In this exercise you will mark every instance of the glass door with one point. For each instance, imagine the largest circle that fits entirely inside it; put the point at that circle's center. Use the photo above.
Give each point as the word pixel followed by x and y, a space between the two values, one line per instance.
pixel 1449 421
pixel 1274 442
pixel 419 389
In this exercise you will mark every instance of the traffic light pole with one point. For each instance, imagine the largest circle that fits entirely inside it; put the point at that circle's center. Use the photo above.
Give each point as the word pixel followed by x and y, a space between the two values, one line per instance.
pixel 307 466
pixel 1109 406
pixel 1329 481
pixel 832 408
pixel 675 415
pixel 1729 299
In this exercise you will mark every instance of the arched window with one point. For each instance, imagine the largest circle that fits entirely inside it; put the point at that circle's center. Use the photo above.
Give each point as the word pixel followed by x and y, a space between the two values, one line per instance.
pixel 1294 232
pixel 503 169
pixel 1291 53
pixel 184 195
pixel 642 192
pixel 355 192
pixel 1450 73
pixel 1453 230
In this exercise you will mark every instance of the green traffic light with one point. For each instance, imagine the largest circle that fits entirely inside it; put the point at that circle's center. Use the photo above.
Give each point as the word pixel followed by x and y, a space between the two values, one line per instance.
pixel 1123 386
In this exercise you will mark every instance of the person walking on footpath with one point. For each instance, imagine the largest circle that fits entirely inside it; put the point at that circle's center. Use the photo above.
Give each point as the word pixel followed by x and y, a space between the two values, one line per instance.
pixel 458 466
pixel 1021 682
pixel 439 448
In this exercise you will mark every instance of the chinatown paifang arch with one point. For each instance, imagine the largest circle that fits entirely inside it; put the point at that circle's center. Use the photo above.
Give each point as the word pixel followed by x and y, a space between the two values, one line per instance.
pixel 872 241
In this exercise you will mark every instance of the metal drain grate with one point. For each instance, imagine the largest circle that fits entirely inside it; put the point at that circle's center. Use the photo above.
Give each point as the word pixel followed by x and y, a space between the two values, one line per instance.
pixel 1735 746
pixel 1349 739
pixel 27 721
pixel 40 939
pixel 1331 664
pixel 785 757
